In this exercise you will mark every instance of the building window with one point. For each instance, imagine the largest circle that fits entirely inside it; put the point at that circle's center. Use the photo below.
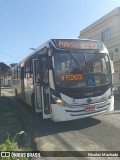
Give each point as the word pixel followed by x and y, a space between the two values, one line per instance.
pixel 106 34
pixel 111 55
pixel 116 50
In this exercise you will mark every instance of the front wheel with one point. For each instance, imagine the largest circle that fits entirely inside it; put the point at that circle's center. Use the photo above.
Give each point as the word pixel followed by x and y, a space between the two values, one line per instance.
pixel 33 101
pixel 16 94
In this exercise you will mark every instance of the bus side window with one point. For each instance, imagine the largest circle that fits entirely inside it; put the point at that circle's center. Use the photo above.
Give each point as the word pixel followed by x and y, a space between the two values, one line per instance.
pixel 45 72
pixel 22 72
pixel 37 72
pixel 31 68
pixel 18 72
pixel 27 69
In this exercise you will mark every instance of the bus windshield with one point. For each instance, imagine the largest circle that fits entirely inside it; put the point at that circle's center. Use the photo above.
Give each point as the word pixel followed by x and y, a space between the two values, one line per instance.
pixel 81 69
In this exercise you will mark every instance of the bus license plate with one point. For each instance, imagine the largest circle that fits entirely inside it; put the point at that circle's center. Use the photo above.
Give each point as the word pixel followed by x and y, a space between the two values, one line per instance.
pixel 90 109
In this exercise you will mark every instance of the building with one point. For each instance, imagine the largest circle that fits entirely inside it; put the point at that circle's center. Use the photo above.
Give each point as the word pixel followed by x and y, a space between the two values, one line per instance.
pixel 107 30
pixel 5 75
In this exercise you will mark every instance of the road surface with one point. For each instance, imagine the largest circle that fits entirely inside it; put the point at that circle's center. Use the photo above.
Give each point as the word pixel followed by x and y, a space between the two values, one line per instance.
pixel 99 133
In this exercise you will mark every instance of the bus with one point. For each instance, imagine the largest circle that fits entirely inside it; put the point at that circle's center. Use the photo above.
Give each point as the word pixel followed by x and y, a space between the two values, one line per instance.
pixel 66 79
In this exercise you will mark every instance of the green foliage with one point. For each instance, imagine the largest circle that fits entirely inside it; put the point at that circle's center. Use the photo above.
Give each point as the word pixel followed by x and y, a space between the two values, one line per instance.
pixel 13 65
pixel 9 143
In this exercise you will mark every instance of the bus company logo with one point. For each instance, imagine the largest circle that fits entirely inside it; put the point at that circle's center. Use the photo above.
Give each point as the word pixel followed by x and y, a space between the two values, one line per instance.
pixel 89 100
pixel 89 94
pixel 4 154
pixel 73 100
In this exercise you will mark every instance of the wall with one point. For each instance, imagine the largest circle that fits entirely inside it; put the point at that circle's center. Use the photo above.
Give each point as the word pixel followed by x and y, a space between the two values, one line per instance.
pixel 108 26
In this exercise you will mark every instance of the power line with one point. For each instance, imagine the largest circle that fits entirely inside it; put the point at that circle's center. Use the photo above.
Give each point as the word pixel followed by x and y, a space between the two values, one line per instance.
pixel 3 53
pixel 75 19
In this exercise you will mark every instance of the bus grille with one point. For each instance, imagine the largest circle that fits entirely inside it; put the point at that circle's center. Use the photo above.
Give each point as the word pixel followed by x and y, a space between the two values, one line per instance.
pixel 79 110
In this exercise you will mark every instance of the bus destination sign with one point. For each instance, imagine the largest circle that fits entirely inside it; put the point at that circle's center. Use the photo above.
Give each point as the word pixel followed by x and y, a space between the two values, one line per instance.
pixel 71 77
pixel 76 44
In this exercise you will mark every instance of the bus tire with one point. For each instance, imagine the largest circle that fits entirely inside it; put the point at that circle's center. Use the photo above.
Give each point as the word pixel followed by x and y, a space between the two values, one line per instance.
pixel 33 101
pixel 16 94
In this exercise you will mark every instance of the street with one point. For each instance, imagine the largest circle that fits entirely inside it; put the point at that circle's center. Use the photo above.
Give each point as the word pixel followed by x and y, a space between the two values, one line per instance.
pixel 99 133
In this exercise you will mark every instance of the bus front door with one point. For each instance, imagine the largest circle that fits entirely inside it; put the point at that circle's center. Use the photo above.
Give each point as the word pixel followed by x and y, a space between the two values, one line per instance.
pixel 37 86
pixel 22 84
pixel 41 88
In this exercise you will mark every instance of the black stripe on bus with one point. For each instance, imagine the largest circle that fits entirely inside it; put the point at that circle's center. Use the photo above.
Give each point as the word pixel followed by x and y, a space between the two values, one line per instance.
pixel 87 113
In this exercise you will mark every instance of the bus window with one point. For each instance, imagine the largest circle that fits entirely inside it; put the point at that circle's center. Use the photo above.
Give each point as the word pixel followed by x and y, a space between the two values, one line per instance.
pixel 27 69
pixel 37 72
pixel 31 68
pixel 22 73
pixel 89 63
pixel 18 72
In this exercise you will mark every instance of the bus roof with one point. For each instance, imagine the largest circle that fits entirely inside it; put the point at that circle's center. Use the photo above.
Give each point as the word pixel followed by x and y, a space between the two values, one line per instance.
pixel 67 44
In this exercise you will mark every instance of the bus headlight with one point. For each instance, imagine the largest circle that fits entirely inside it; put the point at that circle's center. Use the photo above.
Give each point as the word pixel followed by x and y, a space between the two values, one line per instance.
pixel 59 101
pixel 111 94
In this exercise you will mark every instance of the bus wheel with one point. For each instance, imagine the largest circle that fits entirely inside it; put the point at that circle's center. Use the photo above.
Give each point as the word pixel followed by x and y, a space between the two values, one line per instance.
pixel 33 101
pixel 16 94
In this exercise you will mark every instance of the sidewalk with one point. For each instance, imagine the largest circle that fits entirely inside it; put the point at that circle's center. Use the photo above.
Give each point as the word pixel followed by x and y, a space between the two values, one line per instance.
pixel 113 117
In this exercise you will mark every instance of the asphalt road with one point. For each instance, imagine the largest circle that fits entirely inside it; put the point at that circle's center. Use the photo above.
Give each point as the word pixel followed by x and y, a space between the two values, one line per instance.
pixel 99 133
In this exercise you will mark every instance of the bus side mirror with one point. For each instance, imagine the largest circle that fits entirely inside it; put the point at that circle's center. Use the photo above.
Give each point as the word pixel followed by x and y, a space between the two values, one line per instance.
pixel 49 62
pixel 112 66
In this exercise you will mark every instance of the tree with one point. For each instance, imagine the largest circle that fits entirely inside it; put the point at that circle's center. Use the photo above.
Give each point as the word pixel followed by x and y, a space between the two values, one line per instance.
pixel 13 65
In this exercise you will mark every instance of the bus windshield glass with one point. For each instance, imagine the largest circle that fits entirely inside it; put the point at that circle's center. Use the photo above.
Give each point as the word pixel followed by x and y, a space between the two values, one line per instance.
pixel 80 69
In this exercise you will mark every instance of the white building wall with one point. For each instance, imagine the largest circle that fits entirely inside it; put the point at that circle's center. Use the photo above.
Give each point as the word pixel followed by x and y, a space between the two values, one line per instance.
pixel 110 21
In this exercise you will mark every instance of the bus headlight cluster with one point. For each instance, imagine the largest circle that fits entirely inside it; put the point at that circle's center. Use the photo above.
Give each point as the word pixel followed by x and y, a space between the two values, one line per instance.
pixel 111 94
pixel 59 101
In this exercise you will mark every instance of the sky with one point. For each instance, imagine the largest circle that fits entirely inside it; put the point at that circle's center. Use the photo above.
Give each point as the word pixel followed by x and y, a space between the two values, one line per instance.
pixel 26 24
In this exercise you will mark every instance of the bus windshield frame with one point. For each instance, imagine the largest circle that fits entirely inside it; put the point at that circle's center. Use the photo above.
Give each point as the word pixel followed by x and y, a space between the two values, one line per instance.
pixel 81 69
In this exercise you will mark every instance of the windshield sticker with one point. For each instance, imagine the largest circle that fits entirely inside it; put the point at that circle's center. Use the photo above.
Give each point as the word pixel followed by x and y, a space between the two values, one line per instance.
pixel 71 77
pixel 91 81
pixel 97 80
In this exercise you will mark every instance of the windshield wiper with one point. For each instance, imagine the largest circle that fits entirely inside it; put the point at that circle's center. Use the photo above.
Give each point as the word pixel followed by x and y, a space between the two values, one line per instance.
pixel 75 58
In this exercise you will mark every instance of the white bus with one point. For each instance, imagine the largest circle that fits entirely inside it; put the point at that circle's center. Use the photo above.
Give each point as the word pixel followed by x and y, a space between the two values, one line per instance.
pixel 66 79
